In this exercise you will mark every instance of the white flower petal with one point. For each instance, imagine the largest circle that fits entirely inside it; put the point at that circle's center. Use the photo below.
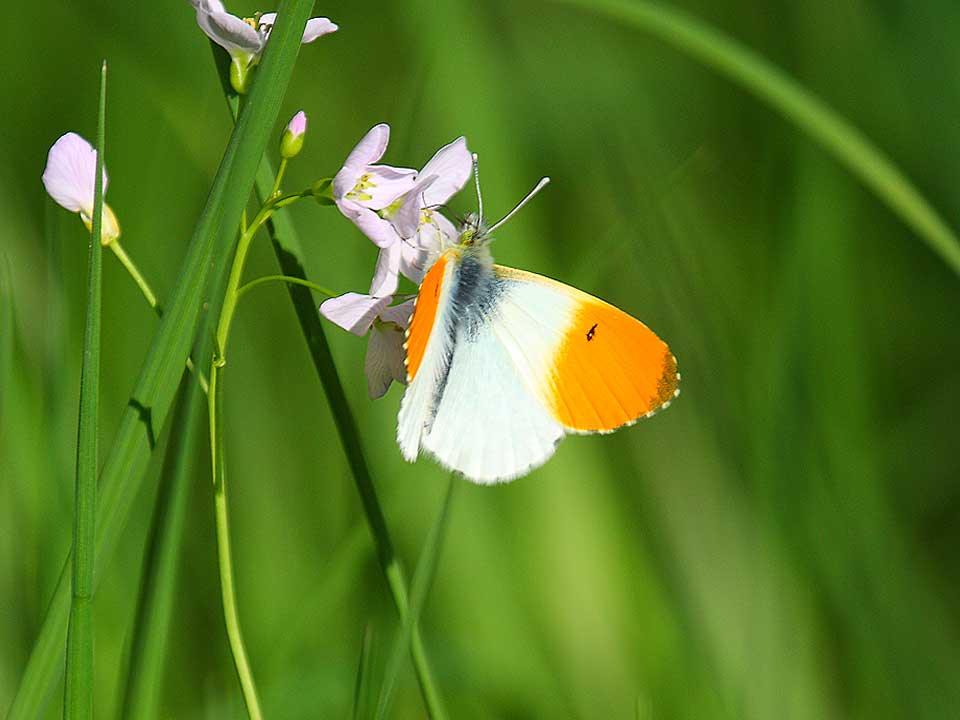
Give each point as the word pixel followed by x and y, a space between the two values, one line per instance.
pixel 406 218
pixel 369 150
pixel 354 312
pixel 452 164
pixel 317 27
pixel 384 359
pixel 229 32
pixel 385 278
pixel 386 184
pixel 70 173
pixel 378 230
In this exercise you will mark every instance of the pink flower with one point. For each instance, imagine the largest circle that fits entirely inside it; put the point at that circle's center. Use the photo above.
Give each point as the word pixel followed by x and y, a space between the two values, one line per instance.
pixel 362 314
pixel 395 207
pixel 245 38
pixel 69 179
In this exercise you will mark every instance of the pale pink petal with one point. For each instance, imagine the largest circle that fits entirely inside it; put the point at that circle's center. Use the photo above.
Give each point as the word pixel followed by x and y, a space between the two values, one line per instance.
pixel 399 314
pixel 298 124
pixel 380 231
pixel 370 148
pixel 406 218
pixel 208 6
pixel 452 164
pixel 385 278
pixel 354 312
pixel 70 173
pixel 317 27
pixel 447 229
pixel 229 32
pixel 268 20
pixel 384 359
pixel 386 184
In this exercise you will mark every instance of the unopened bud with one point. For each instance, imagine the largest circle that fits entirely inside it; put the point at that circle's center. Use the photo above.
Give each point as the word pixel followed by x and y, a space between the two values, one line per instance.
pixel 291 142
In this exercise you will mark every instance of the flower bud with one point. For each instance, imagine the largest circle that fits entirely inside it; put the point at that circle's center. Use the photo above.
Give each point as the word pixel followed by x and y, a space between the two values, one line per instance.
pixel 291 142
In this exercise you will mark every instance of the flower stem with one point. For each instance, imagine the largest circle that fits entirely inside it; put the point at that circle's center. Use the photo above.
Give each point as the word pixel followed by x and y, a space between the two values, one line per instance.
pixel 286 279
pixel 231 616
pixel 135 274
pixel 280 173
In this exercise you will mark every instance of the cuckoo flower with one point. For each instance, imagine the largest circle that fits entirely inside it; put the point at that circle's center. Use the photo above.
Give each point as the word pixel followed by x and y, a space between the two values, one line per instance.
pixel 245 38
pixel 362 314
pixel 396 207
pixel 69 179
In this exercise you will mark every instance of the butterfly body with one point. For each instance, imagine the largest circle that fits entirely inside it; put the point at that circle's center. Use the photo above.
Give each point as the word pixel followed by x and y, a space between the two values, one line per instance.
pixel 502 364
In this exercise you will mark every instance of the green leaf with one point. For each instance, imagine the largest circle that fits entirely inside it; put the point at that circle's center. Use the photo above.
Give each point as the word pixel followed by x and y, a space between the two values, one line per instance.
pixel 422 580
pixel 811 114
pixel 78 689
pixel 153 394
pixel 159 579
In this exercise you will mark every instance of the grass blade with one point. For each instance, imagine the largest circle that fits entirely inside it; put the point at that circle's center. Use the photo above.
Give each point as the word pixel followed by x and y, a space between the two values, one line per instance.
pixel 153 394
pixel 78 690
pixel 361 689
pixel 422 580
pixel 775 87
pixel 159 579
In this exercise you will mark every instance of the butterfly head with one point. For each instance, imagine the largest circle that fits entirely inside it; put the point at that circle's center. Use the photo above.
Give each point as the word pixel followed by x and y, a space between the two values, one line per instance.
pixel 473 232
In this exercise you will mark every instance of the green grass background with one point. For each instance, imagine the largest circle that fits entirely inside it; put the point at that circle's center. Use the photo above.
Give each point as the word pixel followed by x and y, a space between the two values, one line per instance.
pixel 780 543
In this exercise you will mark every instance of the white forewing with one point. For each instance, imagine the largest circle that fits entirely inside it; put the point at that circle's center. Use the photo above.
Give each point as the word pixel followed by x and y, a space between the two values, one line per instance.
pixel 488 424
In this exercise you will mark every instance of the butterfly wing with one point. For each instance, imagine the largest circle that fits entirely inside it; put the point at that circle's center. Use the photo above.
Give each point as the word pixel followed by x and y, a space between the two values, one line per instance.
pixel 594 367
pixel 466 403
pixel 495 382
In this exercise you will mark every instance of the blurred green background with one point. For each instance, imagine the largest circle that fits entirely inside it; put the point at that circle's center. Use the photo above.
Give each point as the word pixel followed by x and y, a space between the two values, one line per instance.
pixel 780 543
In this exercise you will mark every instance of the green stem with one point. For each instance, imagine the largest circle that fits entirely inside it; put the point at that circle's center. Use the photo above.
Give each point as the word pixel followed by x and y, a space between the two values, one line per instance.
pixel 135 274
pixel 285 279
pixel 78 689
pixel 280 173
pixel 217 458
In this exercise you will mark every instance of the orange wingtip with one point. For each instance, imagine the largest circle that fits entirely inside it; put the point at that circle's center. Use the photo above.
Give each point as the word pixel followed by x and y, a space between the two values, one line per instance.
pixel 610 370
pixel 424 314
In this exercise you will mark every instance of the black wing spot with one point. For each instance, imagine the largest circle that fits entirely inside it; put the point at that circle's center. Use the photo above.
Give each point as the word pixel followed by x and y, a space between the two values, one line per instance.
pixel 591 332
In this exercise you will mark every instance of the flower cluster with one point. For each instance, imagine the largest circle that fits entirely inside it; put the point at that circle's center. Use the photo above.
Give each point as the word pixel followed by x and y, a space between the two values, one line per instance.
pixel 245 38
pixel 397 209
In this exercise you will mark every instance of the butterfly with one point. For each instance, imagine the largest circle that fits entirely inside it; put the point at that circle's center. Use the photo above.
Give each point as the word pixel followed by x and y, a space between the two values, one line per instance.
pixel 501 364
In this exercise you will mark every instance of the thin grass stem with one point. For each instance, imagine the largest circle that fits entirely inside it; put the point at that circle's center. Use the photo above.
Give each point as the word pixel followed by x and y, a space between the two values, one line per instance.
pixel 78 689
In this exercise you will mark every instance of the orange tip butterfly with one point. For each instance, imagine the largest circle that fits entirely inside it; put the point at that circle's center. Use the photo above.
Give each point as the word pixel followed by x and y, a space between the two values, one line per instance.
pixel 502 363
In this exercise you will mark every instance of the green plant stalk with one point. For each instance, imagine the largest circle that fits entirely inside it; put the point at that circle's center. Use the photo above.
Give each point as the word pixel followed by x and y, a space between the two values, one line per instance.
pixel 152 396
pixel 159 576
pixel 422 580
pixel 775 87
pixel 138 278
pixel 217 461
pixel 78 689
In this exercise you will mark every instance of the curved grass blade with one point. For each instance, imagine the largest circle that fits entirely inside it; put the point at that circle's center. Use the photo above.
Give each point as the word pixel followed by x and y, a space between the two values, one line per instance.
pixel 159 579
pixel 78 689
pixel 153 394
pixel 811 114
pixel 422 580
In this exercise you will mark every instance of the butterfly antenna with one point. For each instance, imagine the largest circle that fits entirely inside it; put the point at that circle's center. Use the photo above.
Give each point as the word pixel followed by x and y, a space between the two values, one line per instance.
pixel 476 181
pixel 537 188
